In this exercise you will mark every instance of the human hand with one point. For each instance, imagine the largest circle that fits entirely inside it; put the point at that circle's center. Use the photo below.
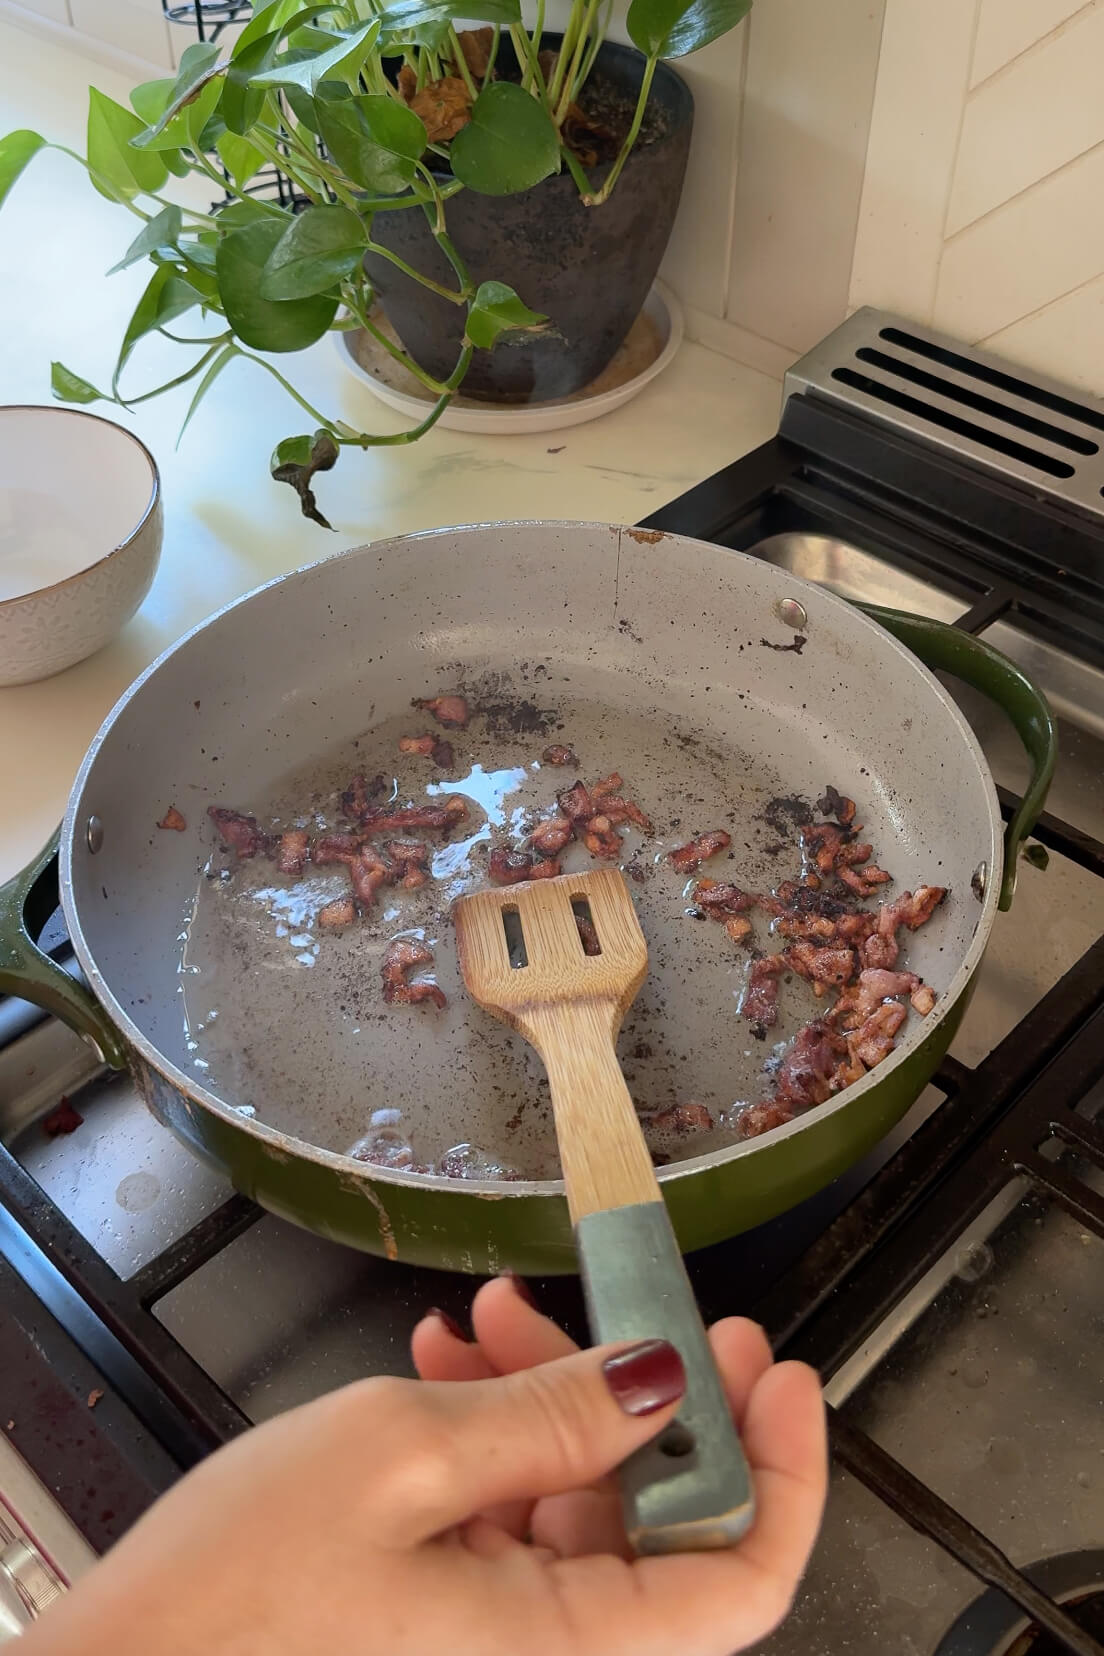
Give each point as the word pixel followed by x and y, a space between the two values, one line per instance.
pixel 386 1519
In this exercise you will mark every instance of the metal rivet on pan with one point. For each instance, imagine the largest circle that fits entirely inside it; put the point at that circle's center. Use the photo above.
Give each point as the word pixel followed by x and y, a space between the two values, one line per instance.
pixel 94 834
pixel 978 879
pixel 90 1040
pixel 789 611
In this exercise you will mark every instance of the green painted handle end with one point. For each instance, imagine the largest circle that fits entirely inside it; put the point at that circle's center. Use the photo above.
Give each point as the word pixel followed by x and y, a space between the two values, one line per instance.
pixel 26 903
pixel 950 650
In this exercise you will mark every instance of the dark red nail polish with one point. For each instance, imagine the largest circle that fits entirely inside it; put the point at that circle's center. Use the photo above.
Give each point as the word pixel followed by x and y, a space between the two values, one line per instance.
pixel 450 1323
pixel 521 1288
pixel 645 1377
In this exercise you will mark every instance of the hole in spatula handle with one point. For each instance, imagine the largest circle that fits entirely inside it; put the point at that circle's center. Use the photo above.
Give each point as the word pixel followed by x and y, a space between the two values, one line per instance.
pixel 677 1440
pixel 515 938
pixel 584 920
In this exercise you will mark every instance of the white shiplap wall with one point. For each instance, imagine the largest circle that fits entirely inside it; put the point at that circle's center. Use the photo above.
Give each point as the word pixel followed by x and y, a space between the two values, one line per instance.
pixel 981 209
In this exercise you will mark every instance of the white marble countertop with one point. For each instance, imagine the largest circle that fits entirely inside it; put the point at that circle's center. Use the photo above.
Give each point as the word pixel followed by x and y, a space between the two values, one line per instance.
pixel 228 527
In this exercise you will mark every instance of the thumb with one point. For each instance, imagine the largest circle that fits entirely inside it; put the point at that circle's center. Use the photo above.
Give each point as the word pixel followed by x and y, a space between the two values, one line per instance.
pixel 470 1445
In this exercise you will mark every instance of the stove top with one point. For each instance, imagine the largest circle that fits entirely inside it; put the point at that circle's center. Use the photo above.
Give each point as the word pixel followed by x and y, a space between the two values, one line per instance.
pixel 948 1288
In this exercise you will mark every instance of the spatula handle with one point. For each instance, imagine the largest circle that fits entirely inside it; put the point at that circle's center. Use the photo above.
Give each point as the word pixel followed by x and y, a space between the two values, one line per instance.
pixel 689 1489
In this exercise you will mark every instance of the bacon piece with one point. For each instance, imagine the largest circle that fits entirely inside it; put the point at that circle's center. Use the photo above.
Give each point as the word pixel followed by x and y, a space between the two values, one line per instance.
pixel 690 856
pixel 557 754
pixel 369 870
pixel 864 881
pixel 617 810
pixel 739 929
pixel 238 832
pixel 588 936
pixel 62 1119
pixel 861 999
pixel 837 805
pixel 551 837
pixel 422 745
pixel 395 819
pixel 545 868
pixel 341 912
pixel 833 967
pixel 576 804
pixel 386 1149
pixel 354 800
pixel 923 999
pixel 823 842
pixel 805 1074
pixel 761 1000
pixel 718 899
pixel 452 711
pixel 173 819
pixel 403 955
pixel 334 848
pixel 756 1119
pixel 600 839
pixel 608 785
pixel 506 867
pixel 410 857
pixel 911 909
pixel 291 853
pixel 443 754
pixel 682 1119
pixel 873 1040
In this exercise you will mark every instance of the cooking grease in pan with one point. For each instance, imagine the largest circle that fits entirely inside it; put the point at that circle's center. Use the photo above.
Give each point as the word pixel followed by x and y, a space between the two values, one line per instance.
pixel 286 1020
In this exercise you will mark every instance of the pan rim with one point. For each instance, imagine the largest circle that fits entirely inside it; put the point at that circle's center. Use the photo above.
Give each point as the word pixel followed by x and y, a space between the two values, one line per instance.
pixel 346 1167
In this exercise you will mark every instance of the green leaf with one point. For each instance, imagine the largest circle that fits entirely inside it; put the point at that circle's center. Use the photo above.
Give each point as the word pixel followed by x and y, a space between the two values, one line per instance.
pixel 241 105
pixel 403 17
pixel 673 28
pixel 167 295
pixel 305 108
pixel 118 171
pixel 278 17
pixel 374 140
pixel 240 158
pixel 160 233
pixel 345 57
pixel 227 354
pixel 148 100
pixel 319 247
pixel 199 67
pixel 266 324
pixel 235 214
pixel 199 251
pixel 296 460
pixel 69 387
pixel 508 145
pixel 15 151
pixel 496 309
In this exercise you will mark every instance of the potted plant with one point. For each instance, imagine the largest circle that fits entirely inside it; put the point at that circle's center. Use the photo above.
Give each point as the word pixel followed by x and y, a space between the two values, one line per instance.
pixel 441 169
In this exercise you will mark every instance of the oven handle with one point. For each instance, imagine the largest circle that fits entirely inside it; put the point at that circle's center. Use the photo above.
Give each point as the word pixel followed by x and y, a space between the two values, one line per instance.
pixel 947 649
pixel 27 901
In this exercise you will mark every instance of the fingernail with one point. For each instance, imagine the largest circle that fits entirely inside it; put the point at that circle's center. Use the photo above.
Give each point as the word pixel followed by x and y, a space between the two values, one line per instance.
pixel 521 1288
pixel 450 1323
pixel 645 1377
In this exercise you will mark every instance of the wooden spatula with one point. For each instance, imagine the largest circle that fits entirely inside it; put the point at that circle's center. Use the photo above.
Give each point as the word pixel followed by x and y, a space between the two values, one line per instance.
pixel 523 958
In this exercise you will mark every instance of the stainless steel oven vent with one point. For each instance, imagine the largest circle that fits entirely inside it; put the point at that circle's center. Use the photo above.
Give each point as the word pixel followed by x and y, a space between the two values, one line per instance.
pixel 1030 430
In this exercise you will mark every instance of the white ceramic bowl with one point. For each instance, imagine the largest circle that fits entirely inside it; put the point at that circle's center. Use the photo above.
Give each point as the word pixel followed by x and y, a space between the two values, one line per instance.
pixel 80 536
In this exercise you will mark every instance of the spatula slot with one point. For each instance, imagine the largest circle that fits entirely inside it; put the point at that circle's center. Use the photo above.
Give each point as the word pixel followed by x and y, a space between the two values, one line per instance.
pixel 677 1440
pixel 515 937
pixel 584 921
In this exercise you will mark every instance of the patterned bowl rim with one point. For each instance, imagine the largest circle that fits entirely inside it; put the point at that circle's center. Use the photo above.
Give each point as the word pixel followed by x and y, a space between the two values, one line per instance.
pixel 151 504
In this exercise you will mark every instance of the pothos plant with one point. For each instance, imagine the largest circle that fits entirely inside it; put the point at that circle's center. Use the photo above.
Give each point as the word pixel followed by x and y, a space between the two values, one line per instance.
pixel 366 107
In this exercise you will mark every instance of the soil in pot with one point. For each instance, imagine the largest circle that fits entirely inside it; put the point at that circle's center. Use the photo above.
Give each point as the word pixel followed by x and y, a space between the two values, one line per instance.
pixel 588 268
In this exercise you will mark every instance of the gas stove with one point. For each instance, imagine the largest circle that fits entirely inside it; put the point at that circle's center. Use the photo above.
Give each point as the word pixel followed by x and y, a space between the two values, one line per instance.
pixel 948 1288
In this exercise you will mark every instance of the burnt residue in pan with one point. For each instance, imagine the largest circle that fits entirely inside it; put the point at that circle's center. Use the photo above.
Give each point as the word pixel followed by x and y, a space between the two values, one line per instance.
pixel 285 1016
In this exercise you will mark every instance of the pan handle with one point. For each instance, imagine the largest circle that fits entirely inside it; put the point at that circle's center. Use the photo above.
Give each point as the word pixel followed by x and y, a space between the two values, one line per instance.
pixel 948 649
pixel 26 903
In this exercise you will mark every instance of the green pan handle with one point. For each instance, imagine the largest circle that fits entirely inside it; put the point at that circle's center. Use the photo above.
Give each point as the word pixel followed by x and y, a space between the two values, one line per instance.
pixel 947 649
pixel 26 903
